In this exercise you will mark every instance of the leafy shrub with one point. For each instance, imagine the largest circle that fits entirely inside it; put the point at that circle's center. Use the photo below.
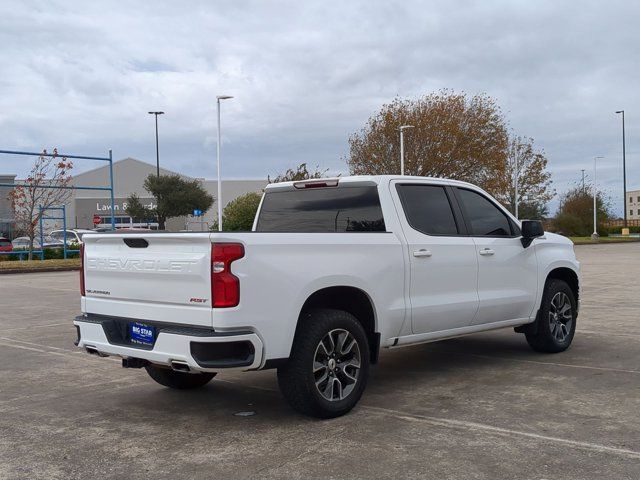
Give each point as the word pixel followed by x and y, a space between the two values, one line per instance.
pixel 618 230
pixel 575 216
pixel 239 214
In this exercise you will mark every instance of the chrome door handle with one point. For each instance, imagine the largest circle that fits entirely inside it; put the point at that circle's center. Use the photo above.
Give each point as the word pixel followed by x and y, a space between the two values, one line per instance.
pixel 486 251
pixel 422 253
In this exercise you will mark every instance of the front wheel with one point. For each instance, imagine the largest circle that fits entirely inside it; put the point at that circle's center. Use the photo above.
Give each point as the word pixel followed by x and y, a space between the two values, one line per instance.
pixel 557 322
pixel 329 364
pixel 178 380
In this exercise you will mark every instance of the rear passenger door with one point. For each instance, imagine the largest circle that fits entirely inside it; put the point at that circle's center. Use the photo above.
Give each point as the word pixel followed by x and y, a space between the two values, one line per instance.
pixel 507 272
pixel 443 261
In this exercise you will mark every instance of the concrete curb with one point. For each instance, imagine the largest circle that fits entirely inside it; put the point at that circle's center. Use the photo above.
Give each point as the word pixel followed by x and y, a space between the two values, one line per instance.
pixel 39 270
pixel 610 242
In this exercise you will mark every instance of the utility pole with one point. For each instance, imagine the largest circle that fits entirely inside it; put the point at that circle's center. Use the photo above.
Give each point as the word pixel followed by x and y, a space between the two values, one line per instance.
pixel 583 179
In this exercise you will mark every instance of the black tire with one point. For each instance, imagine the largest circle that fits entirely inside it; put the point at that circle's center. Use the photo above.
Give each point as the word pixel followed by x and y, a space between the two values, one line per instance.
pixel 178 380
pixel 550 338
pixel 297 379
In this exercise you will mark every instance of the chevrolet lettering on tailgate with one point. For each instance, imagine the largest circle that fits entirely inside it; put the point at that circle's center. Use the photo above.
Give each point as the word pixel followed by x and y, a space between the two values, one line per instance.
pixel 140 265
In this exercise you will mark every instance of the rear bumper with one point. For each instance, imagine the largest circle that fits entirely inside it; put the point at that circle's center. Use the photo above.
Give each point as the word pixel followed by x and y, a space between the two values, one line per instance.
pixel 203 350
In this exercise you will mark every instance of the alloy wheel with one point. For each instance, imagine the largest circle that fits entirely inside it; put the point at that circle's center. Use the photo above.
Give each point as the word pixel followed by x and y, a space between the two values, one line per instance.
pixel 336 365
pixel 560 317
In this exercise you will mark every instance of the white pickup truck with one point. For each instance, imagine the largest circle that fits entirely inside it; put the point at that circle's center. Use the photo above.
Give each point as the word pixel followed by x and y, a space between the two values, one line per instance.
pixel 333 271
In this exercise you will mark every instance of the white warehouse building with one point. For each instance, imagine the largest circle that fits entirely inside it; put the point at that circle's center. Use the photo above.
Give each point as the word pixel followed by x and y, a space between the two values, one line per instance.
pixel 129 175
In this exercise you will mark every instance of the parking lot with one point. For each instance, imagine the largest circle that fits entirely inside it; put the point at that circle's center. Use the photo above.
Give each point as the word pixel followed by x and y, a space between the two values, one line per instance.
pixel 480 407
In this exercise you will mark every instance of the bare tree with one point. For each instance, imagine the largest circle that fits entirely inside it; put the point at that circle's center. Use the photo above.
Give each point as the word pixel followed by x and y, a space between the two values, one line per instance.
pixel 300 173
pixel 454 136
pixel 42 188
pixel 534 181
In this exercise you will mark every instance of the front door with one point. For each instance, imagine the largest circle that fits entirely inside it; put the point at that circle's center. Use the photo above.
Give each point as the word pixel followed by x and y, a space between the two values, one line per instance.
pixel 507 272
pixel 443 262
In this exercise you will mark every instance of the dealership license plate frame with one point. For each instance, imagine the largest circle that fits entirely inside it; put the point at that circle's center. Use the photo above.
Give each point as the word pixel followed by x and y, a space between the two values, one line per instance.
pixel 141 334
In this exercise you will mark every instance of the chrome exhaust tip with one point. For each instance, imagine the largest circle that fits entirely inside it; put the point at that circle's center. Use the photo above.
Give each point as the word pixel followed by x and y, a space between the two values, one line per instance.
pixel 179 366
pixel 94 351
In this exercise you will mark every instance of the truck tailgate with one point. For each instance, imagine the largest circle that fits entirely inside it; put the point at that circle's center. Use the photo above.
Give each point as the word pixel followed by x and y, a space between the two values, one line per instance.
pixel 155 276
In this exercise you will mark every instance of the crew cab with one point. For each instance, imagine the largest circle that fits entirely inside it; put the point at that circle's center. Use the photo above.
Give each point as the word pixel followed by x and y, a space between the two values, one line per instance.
pixel 334 271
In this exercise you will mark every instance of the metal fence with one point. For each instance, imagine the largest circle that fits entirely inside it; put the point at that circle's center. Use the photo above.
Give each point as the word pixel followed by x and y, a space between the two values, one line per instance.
pixel 620 223
pixel 110 189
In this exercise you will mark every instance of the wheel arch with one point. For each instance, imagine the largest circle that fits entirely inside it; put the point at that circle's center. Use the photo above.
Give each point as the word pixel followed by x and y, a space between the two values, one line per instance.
pixel 569 276
pixel 352 300
pixel 564 273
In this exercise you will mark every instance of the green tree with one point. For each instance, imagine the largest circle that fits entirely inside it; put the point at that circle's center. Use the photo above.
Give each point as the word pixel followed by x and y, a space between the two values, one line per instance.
pixel 135 209
pixel 534 210
pixel 454 136
pixel 575 215
pixel 239 214
pixel 176 197
pixel 300 173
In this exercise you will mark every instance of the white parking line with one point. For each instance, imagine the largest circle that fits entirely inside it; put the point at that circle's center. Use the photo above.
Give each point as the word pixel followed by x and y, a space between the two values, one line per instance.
pixel 48 394
pixel 40 350
pixel 37 326
pixel 608 334
pixel 464 425
pixel 64 353
pixel 39 345
pixel 587 367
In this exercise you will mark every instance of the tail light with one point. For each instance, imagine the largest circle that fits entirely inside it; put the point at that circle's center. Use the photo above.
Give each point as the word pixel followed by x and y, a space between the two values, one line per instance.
pixel 82 269
pixel 225 286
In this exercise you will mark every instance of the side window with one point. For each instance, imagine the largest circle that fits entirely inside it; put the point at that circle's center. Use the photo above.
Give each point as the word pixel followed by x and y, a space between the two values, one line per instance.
pixel 485 219
pixel 428 209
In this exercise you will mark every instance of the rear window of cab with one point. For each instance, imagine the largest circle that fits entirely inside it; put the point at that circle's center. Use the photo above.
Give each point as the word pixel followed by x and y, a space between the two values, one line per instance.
pixel 322 210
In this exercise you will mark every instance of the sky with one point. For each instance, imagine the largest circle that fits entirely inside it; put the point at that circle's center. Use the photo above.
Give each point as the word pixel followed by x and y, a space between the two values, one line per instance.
pixel 81 76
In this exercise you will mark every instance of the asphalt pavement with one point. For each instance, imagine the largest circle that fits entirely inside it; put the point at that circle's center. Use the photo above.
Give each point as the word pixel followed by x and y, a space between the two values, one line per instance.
pixel 480 407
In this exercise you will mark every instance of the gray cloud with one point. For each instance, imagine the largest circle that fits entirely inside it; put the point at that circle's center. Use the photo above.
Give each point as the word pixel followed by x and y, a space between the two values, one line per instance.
pixel 82 75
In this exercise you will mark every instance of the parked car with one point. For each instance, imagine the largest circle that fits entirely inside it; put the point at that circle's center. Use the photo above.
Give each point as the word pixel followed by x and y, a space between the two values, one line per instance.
pixel 74 236
pixel 334 271
pixel 22 243
pixel 5 245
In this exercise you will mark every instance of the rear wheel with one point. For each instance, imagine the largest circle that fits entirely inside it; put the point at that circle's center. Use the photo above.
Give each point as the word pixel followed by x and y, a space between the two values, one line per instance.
pixel 178 380
pixel 557 323
pixel 329 364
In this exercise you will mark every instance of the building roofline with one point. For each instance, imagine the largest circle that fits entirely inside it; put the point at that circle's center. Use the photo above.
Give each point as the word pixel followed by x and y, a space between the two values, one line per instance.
pixel 130 159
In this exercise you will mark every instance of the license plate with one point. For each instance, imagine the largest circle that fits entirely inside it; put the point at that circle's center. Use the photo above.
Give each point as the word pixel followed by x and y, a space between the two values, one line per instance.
pixel 141 333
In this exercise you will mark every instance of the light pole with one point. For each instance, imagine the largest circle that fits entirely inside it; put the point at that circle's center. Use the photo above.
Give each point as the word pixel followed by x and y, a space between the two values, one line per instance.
pixel 624 171
pixel 402 129
pixel 219 199
pixel 157 150
pixel 583 179
pixel 594 235
pixel 515 209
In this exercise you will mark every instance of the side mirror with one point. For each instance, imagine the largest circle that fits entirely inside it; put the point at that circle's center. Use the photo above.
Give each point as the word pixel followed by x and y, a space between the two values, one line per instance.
pixel 530 229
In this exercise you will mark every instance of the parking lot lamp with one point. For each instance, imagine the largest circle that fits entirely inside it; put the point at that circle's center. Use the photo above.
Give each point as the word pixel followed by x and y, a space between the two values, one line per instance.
pixel 157 150
pixel 624 171
pixel 219 199
pixel 402 129
pixel 594 235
